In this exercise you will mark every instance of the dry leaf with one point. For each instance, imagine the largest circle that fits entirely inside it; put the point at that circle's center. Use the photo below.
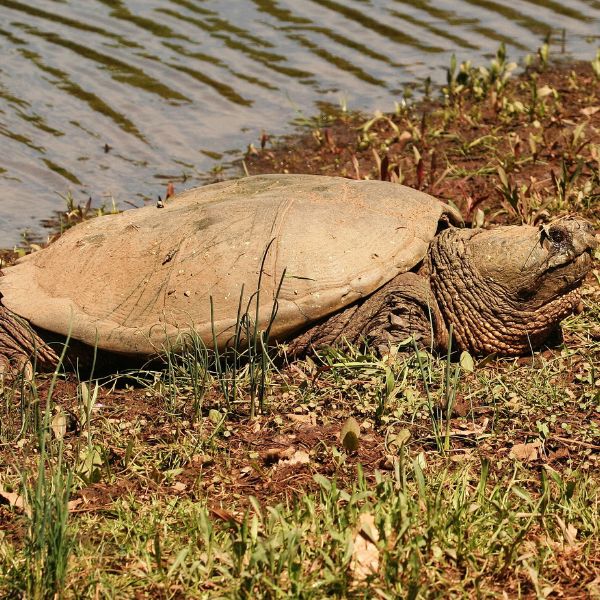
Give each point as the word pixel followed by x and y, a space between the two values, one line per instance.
pixel 59 425
pixel 356 166
pixel 224 515
pixel 593 588
pixel 202 459
pixel 365 554
pixel 13 499
pixel 569 532
pixel 590 110
pixel 471 428
pixel 273 455
pixel 73 504
pixel 298 458
pixel 170 190
pixel 465 454
pixel 404 138
pixel 388 462
pixel 400 439
pixel 561 452
pixel 466 362
pixel 215 416
pixel 309 419
pixel 525 452
pixel 28 371
pixel 179 486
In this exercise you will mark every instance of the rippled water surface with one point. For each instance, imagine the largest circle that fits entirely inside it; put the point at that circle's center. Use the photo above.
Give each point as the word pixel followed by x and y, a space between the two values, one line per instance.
pixel 112 98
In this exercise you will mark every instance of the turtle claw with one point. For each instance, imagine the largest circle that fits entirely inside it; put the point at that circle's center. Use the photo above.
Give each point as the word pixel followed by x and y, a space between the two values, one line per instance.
pixel 19 366
pixel 5 367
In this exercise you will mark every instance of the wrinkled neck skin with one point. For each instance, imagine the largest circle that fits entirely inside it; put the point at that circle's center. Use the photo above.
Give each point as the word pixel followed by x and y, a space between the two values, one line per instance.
pixel 485 317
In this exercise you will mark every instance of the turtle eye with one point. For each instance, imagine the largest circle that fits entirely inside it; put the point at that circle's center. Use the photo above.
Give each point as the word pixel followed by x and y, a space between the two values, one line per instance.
pixel 557 236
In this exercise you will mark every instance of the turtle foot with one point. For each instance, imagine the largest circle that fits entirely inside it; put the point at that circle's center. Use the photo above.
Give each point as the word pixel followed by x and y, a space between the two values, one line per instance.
pixel 21 347
pixel 330 332
pixel 401 309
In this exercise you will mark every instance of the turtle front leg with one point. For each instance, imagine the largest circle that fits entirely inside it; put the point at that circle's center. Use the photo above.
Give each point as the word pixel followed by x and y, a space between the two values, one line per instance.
pixel 20 345
pixel 405 307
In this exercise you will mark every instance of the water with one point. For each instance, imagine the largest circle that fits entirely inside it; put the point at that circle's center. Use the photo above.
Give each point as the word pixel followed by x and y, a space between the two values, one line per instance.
pixel 111 99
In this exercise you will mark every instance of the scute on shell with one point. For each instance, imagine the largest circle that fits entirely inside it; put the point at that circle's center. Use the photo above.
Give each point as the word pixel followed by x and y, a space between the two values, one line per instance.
pixel 134 281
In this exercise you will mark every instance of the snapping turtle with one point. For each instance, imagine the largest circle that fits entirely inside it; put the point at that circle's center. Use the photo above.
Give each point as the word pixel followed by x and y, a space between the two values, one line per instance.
pixel 362 260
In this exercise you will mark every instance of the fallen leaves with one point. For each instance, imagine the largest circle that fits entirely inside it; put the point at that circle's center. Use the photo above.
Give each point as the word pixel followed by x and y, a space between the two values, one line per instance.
pixel 298 458
pixel 569 532
pixel 525 452
pixel 12 499
pixel 471 429
pixel 365 553
pixel 274 455
pixel 466 362
pixel 400 439
pixel 590 110
pixel 307 419
pixel 59 425
pixel 19 502
pixel 286 457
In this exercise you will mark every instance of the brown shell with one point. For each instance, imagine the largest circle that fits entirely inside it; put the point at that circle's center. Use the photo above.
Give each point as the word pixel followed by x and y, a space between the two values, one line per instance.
pixel 134 281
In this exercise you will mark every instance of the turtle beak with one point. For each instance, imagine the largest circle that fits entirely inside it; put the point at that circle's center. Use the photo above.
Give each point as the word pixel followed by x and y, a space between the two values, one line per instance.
pixel 567 239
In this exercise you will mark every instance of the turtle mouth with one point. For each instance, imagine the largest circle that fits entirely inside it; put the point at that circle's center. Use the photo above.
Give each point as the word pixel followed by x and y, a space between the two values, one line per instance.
pixel 559 280
pixel 574 270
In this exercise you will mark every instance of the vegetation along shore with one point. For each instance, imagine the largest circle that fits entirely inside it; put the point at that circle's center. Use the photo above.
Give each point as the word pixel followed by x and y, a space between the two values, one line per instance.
pixel 343 474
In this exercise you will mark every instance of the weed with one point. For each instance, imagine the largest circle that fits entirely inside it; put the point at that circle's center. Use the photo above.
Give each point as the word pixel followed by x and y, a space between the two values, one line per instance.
pixel 596 64
pixel 48 542
pixel 544 53
pixel 565 181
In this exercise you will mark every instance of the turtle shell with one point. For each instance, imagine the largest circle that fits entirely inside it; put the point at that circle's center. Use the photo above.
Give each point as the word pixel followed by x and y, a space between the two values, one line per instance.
pixel 137 281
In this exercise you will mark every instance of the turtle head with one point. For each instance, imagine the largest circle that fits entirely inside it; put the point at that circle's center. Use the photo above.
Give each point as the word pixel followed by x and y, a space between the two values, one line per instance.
pixel 506 289
pixel 535 266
